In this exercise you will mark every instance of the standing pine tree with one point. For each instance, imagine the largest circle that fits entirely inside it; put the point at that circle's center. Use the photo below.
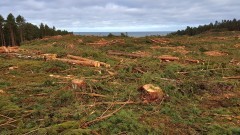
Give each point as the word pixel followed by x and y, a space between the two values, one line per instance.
pixel 47 30
pixel 20 23
pixel 42 30
pixel 3 43
pixel 11 24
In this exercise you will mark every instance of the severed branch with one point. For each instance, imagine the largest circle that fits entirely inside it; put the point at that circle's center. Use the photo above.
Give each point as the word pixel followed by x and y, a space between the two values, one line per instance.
pixel 232 77
pixel 114 103
pixel 91 94
pixel 103 117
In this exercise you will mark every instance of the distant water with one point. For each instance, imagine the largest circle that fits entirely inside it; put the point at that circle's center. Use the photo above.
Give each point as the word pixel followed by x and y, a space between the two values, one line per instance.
pixel 131 34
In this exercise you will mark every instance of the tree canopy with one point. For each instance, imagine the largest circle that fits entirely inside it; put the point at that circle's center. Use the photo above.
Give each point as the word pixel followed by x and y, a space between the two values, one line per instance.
pixel 14 31
pixel 224 25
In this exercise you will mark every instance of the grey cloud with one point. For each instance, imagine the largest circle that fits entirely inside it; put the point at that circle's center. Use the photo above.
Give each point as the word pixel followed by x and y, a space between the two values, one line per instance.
pixel 122 15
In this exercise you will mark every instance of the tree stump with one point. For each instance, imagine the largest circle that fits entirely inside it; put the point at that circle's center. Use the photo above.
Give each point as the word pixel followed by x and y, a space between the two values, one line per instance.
pixel 151 93
pixel 78 84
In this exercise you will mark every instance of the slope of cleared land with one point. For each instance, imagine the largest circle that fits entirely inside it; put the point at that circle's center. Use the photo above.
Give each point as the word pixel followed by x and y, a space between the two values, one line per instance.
pixel 199 76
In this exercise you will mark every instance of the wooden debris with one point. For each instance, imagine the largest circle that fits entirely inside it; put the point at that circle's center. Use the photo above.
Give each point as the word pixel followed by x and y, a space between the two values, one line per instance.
pixel 13 67
pixel 62 77
pixel 232 77
pixel 5 49
pixel 78 62
pixel 151 93
pixel 2 92
pixel 168 58
pixel 91 94
pixel 192 61
pixel 160 40
pixel 80 41
pixel 49 56
pixel 132 55
pixel 237 45
pixel 78 84
pixel 215 53
pixel 104 42
pixel 85 59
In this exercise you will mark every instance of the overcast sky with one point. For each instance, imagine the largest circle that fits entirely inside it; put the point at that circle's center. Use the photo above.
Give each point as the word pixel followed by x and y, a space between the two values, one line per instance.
pixel 122 15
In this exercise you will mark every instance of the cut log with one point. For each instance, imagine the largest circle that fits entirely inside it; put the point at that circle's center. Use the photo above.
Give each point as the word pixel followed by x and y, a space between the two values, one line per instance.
pixel 105 64
pixel 168 58
pixel 192 61
pixel 78 58
pixel 5 49
pixel 78 84
pixel 151 93
pixel 78 62
pixel 232 77
pixel 49 56
pixel 62 77
pixel 215 53
pixel 132 55
pixel 13 67
pixel 85 59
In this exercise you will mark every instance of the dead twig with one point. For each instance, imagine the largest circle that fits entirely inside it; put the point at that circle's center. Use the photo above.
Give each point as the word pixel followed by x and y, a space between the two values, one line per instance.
pixel 6 117
pixel 91 94
pixel 31 131
pixel 115 103
pixel 103 117
pixel 8 123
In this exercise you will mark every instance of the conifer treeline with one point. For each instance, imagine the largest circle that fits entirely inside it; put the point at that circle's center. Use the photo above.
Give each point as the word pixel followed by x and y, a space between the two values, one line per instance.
pixel 13 30
pixel 225 25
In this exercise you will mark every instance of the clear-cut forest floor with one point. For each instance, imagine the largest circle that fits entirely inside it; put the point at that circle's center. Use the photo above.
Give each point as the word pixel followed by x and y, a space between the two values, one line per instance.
pixel 199 75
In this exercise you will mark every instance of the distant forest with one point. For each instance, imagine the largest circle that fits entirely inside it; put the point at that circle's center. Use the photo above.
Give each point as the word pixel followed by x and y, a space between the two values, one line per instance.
pixel 13 30
pixel 225 25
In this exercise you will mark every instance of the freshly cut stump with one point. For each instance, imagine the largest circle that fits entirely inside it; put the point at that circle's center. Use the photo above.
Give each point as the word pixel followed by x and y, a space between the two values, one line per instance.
pixel 151 93
pixel 78 84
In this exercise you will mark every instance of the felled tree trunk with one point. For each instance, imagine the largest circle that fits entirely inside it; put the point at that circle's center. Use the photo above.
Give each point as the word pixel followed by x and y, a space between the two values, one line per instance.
pixel 126 54
pixel 4 49
pixel 89 60
pixel 78 62
pixel 49 56
pixel 168 58
pixel 232 77
pixel 192 61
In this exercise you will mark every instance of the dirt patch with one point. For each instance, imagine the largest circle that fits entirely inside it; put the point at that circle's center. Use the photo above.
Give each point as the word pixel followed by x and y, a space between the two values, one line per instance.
pixel 215 53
